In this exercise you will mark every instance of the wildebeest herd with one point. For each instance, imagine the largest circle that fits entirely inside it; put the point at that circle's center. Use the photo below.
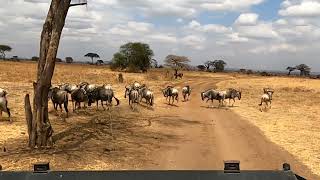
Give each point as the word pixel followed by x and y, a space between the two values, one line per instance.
pixel 91 93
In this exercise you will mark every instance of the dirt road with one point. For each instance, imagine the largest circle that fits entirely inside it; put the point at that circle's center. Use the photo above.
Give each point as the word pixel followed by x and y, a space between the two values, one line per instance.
pixel 211 135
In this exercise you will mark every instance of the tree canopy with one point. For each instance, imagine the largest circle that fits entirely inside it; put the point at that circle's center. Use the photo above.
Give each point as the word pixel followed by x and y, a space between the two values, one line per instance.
pixel 69 60
pixel 304 69
pixel 3 49
pixel 219 65
pixel 92 55
pixel 135 56
pixel 177 62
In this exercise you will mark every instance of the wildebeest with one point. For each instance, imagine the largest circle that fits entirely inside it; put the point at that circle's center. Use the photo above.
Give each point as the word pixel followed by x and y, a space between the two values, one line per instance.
pixel 232 94
pixel 266 98
pixel 77 96
pixel 171 93
pixel 212 94
pixel 59 97
pixel 68 87
pixel 266 90
pixel 180 75
pixel 186 92
pixel 83 84
pixel 4 106
pixel 136 85
pixel 3 92
pixel 146 94
pixel 102 93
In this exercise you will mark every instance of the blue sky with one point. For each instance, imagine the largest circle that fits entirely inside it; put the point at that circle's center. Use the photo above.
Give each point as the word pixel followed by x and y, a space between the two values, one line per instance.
pixel 256 34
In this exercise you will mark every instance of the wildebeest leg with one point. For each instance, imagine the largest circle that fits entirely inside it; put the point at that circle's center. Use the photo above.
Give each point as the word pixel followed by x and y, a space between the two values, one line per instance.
pixel 233 102
pixel 270 105
pixel 103 106
pixel 98 104
pixel 60 105
pixel 65 104
pixel 0 113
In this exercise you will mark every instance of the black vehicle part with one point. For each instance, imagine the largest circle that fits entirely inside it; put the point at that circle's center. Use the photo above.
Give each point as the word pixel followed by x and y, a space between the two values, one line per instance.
pixel 152 175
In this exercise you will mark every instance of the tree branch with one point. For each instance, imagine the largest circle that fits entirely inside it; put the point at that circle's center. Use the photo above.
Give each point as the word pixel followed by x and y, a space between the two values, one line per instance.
pixel 77 4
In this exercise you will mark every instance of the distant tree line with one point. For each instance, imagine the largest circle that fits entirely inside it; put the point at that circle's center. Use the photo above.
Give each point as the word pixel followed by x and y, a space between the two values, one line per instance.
pixel 217 65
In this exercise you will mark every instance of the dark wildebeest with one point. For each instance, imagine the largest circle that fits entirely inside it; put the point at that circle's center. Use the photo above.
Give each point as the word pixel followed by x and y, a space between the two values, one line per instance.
pixel 212 94
pixel 146 94
pixel 171 93
pixel 232 94
pixel 59 97
pixel 102 93
pixel 186 92
pixel 266 98
pixel 180 75
pixel 77 96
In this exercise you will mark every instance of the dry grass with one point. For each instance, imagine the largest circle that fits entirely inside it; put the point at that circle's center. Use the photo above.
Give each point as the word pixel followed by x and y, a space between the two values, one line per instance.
pixel 86 138
pixel 293 122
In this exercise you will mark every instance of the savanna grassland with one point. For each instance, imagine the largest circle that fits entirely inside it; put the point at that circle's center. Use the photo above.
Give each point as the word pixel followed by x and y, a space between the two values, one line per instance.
pixel 293 122
pixel 123 139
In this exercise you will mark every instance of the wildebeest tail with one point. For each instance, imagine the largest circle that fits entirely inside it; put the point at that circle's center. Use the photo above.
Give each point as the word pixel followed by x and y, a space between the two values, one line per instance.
pixel 151 100
pixel 118 102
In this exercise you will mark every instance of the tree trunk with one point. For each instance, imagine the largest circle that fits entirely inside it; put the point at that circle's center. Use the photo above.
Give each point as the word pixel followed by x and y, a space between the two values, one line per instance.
pixel 289 73
pixel 92 60
pixel 39 127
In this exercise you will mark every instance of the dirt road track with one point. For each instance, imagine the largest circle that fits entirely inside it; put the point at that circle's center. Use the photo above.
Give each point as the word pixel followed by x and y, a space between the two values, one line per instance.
pixel 212 135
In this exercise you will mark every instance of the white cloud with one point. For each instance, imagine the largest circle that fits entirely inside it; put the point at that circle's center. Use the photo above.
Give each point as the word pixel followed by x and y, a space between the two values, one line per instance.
pixel 275 49
pixel 215 28
pixel 234 37
pixel 180 20
pixel 247 19
pixel 230 5
pixel 193 41
pixel 163 38
pixel 261 30
pixel 305 8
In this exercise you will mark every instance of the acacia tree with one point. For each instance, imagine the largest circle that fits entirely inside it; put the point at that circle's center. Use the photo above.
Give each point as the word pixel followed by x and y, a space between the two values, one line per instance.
pixel 135 56
pixel 304 69
pixel 39 127
pixel 290 69
pixel 92 55
pixel 69 59
pixel 3 49
pixel 177 62
pixel 219 65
